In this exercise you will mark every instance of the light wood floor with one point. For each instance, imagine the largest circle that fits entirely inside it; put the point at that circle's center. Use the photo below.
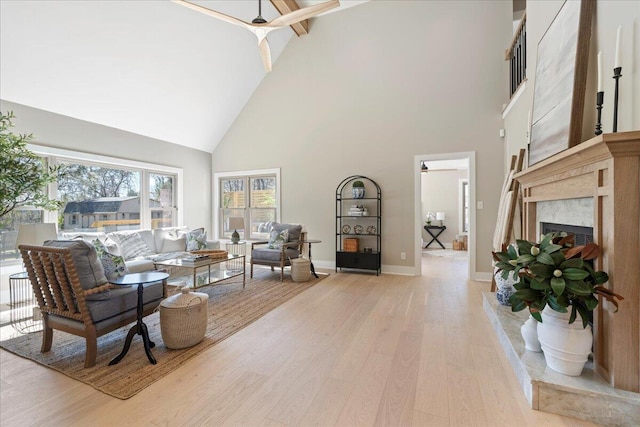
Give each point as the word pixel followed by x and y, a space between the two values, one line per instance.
pixel 355 349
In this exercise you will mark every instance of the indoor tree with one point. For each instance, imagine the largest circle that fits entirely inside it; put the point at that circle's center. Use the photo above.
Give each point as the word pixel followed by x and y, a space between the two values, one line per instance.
pixel 23 174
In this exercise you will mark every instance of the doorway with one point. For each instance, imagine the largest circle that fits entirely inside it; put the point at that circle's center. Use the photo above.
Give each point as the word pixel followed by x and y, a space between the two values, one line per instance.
pixel 447 210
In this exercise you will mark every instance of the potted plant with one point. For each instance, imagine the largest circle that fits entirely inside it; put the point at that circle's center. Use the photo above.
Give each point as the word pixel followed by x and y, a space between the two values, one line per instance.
pixel 557 282
pixel 358 189
pixel 430 217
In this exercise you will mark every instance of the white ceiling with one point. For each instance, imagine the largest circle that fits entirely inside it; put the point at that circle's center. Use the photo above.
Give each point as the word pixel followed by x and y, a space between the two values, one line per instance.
pixel 154 68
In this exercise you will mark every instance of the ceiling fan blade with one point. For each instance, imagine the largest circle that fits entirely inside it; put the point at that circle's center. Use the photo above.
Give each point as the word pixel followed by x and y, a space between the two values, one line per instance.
pixel 213 13
pixel 302 14
pixel 265 53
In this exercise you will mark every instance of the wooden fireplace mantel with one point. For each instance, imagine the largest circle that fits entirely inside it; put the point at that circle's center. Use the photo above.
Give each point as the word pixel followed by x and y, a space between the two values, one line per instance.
pixel 607 169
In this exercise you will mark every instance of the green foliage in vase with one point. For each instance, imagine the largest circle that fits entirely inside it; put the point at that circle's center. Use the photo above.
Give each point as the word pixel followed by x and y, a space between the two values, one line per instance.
pixel 357 184
pixel 23 174
pixel 557 273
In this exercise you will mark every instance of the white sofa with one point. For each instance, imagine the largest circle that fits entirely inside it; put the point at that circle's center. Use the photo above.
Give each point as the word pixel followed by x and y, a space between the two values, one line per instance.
pixel 162 244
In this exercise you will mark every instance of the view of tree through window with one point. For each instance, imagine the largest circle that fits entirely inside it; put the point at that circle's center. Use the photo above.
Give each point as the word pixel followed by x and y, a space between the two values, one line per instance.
pixel 98 197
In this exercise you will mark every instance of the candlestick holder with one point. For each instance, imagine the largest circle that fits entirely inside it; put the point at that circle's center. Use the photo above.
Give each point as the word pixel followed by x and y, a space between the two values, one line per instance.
pixel 599 102
pixel 617 73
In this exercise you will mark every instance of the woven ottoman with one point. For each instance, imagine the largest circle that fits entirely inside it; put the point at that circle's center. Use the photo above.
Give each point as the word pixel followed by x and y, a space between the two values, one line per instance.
pixel 183 318
pixel 300 269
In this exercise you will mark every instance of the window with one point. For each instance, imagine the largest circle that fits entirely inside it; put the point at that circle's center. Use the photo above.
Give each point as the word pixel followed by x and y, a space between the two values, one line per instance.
pixel 464 205
pixel 101 194
pixel 252 196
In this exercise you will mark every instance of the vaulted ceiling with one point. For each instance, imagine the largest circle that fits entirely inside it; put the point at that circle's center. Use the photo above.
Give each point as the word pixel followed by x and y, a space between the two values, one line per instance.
pixel 149 67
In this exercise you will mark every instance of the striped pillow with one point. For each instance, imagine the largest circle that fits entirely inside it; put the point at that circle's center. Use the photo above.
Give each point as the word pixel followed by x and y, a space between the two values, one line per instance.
pixel 132 246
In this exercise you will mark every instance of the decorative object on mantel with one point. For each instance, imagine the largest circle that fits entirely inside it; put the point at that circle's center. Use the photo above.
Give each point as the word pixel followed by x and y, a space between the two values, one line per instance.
pixel 599 96
pixel 554 274
pixel 617 73
pixel 358 189
pixel 560 83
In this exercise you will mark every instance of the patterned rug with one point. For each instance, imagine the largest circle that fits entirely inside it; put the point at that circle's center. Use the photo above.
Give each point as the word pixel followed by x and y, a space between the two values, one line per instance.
pixel 231 308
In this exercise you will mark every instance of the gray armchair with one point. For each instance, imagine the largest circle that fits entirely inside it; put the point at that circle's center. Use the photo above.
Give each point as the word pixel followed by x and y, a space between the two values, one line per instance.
pixel 262 254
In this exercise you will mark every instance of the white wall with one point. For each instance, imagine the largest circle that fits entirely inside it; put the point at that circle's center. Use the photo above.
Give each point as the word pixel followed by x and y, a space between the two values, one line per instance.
pixel 367 90
pixel 440 193
pixel 59 131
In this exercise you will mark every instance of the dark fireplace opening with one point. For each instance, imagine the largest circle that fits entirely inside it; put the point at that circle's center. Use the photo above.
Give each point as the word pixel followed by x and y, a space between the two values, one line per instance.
pixel 583 235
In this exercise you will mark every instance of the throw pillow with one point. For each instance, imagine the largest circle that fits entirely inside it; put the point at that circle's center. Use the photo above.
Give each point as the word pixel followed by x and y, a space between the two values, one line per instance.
pixel 113 265
pixel 278 239
pixel 196 239
pixel 89 269
pixel 132 246
pixel 173 244
pixel 294 230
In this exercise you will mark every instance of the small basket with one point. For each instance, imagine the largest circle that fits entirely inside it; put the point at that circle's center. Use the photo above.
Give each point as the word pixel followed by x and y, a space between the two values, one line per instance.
pixel 183 319
pixel 300 269
pixel 212 253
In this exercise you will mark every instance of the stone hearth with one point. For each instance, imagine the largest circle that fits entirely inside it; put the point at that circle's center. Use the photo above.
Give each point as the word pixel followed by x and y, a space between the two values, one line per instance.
pixel 588 397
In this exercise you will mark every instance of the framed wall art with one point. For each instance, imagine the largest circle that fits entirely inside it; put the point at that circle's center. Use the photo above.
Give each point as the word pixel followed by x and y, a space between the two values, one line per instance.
pixel 560 82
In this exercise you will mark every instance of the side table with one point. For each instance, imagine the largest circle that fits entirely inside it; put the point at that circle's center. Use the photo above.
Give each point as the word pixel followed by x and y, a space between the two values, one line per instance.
pixel 309 242
pixel 239 248
pixel 438 230
pixel 25 314
pixel 139 328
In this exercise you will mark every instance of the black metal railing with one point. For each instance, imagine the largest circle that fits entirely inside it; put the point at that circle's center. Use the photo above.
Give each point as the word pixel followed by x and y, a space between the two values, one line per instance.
pixel 517 55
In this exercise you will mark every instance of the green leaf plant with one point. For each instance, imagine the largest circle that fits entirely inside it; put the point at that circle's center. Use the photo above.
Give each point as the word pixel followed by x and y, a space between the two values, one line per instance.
pixel 23 175
pixel 557 273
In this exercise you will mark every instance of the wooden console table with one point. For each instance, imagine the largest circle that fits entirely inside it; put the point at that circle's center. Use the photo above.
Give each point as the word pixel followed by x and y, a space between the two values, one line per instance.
pixel 606 168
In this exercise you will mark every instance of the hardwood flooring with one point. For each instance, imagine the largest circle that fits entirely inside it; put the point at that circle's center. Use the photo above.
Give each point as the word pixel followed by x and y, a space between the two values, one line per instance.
pixel 354 350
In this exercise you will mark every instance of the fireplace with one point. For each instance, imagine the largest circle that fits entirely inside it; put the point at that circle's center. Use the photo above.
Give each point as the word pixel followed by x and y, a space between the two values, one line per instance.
pixel 600 176
pixel 583 235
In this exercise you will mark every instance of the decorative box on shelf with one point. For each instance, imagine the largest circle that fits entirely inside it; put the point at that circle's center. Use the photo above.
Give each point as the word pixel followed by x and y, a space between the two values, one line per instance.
pixel 350 244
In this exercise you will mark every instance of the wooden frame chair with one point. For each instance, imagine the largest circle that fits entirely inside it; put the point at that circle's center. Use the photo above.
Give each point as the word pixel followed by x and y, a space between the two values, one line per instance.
pixel 277 257
pixel 63 302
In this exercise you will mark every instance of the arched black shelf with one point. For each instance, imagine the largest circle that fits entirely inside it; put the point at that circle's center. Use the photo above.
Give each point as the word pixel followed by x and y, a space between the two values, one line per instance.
pixel 359 225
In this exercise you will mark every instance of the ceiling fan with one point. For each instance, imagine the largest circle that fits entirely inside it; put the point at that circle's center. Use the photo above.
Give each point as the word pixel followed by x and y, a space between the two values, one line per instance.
pixel 260 27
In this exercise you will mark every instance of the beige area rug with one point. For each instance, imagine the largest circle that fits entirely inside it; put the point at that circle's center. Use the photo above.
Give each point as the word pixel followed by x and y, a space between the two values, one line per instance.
pixel 231 308
pixel 446 253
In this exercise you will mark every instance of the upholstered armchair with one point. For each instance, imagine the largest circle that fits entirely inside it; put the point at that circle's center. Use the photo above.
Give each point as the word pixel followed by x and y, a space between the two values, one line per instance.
pixel 285 244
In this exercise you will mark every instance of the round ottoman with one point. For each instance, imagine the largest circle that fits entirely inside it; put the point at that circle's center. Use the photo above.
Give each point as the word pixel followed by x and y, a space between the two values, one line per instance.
pixel 300 269
pixel 183 318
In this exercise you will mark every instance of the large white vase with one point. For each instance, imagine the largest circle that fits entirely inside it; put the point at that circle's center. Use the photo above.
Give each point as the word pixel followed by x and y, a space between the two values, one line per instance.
pixel 566 346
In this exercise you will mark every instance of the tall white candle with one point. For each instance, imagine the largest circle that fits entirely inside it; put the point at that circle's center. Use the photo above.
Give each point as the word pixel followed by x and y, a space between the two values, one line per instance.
pixel 599 71
pixel 617 63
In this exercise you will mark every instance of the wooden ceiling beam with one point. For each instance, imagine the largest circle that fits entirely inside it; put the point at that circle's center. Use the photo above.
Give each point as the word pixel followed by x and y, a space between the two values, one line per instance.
pixel 286 6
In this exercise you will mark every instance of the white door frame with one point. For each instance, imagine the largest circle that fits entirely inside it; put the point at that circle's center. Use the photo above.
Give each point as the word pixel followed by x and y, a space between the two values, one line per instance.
pixel 471 157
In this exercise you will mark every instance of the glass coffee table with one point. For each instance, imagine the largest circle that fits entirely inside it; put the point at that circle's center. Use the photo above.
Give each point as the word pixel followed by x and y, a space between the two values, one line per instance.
pixel 211 270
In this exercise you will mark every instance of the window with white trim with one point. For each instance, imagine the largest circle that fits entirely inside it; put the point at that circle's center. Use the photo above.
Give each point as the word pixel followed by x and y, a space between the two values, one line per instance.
pixel 253 196
pixel 100 193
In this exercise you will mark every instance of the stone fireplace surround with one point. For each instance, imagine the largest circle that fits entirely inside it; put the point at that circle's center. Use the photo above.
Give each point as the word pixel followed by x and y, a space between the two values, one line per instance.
pixel 602 173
